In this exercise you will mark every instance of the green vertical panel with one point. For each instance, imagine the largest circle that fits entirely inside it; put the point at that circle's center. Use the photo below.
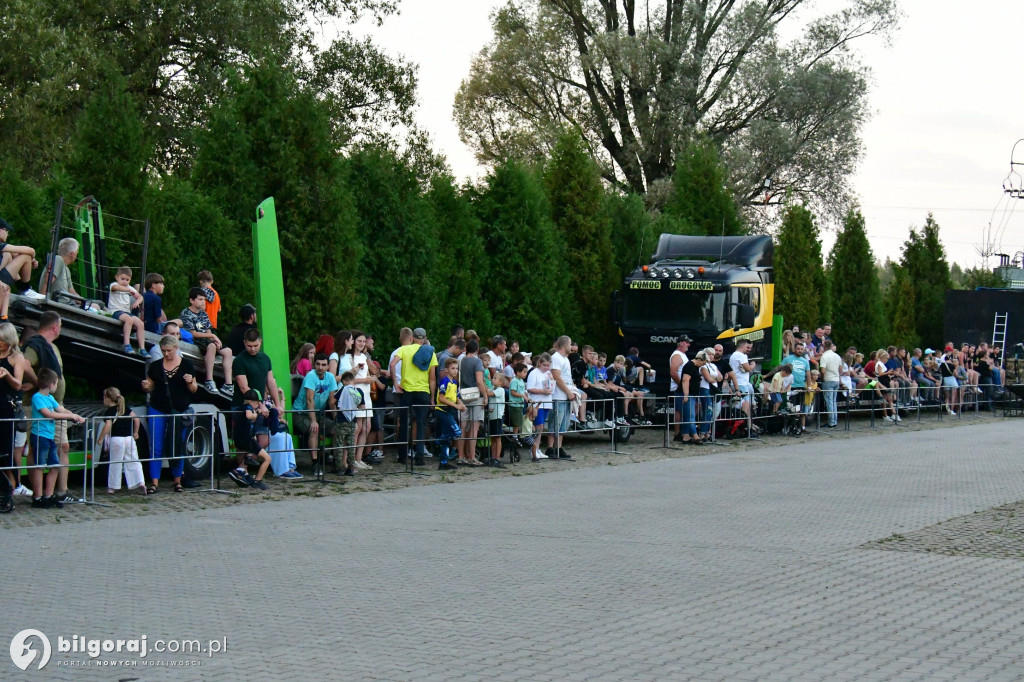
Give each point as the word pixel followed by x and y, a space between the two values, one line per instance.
pixel 776 340
pixel 273 322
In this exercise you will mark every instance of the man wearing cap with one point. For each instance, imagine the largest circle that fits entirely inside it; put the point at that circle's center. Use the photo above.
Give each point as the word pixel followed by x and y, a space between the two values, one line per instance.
pixel 675 367
pixel 418 385
pixel 236 337
pixel 16 264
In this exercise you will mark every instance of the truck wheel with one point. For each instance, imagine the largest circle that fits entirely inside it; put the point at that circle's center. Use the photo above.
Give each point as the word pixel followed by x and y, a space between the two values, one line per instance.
pixel 199 445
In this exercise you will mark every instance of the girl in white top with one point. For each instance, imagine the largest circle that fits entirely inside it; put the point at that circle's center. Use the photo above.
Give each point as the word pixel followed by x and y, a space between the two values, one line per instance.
pixel 540 386
pixel 341 360
pixel 362 381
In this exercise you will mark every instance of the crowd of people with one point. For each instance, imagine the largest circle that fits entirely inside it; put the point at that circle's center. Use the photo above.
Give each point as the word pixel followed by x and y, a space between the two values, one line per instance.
pixel 472 390
pixel 467 401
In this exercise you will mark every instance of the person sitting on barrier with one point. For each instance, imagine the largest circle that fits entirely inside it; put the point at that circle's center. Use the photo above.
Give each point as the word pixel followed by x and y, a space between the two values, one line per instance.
pixel 782 382
pixel 122 425
pixel 121 300
pixel 884 388
pixel 919 376
pixel 16 265
pixel 449 404
pixel 619 378
pixel 195 321
pixel 236 336
pixel 56 277
pixel 44 411
pixel 257 415
pixel 170 384
pixel 314 405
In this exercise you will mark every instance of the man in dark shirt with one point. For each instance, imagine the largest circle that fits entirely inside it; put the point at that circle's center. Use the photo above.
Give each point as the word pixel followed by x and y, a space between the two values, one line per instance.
pixel 252 370
pixel 236 337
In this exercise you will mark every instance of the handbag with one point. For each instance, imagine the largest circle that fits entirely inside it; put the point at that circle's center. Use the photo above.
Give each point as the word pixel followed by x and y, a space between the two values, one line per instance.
pixel 467 394
pixel 18 414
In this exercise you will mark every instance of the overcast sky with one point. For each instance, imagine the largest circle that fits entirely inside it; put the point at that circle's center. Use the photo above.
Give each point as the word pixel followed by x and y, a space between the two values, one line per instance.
pixel 946 100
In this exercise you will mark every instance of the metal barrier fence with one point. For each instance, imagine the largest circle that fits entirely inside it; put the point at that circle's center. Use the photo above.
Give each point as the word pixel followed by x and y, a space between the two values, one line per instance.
pixel 177 434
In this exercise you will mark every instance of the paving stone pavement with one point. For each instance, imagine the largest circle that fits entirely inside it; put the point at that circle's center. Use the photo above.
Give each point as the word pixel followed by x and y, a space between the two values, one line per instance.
pixel 739 565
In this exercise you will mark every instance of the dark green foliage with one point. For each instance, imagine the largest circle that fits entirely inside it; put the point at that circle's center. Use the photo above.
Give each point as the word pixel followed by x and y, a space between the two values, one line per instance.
pixel 856 301
pixel 972 278
pixel 188 233
pixel 924 260
pixel 701 199
pixel 527 283
pixel 22 204
pixel 900 311
pixel 801 290
pixel 632 237
pixel 460 258
pixel 397 279
pixel 575 194
pixel 273 138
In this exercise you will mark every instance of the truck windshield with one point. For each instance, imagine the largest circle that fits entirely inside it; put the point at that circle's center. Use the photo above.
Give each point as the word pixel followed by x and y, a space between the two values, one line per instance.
pixel 676 310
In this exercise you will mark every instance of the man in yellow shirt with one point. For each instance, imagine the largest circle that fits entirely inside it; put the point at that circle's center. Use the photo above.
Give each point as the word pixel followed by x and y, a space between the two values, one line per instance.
pixel 418 386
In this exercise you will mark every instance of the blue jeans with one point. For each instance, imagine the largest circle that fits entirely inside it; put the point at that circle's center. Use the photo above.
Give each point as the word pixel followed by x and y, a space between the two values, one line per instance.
pixel 830 388
pixel 704 411
pixel 447 431
pixel 561 422
pixel 161 432
pixel 689 408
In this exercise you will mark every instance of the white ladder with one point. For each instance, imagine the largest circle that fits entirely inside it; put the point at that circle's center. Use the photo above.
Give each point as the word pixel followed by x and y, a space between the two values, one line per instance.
pixel 999 335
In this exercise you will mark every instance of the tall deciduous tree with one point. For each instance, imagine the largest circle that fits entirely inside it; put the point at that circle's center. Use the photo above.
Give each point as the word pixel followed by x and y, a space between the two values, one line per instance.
pixel 801 291
pixel 175 59
pixel 642 78
pixel 575 196
pixel 856 301
pixel 924 260
pixel 525 247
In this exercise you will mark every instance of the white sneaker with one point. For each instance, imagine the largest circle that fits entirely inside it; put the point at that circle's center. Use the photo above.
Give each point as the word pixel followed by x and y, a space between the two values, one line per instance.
pixel 888 418
pixel 34 295
pixel 952 413
pixel 540 455
pixel 609 424
pixel 22 490
pixel 621 421
pixel 898 419
pixel 362 465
